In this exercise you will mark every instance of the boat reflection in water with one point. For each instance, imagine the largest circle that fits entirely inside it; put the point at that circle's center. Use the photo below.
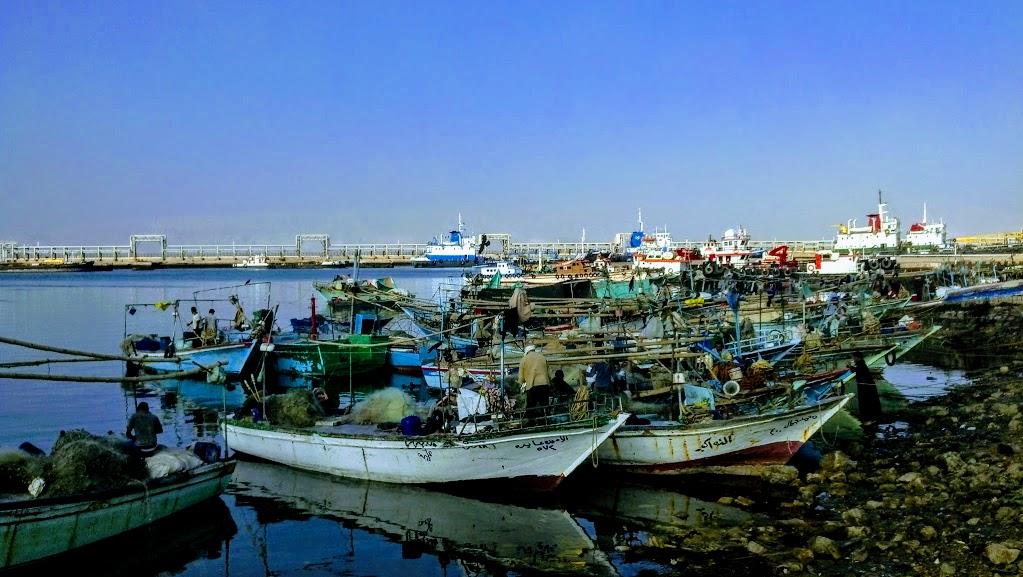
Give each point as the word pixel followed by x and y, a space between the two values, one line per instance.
pixel 193 541
pixel 497 537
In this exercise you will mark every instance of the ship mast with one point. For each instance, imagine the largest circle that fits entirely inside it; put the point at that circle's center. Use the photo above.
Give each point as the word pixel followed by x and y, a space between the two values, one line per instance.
pixel 640 210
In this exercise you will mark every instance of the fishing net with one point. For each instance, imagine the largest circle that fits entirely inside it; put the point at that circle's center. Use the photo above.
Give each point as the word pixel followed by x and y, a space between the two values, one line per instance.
pixel 82 465
pixel 14 472
pixel 296 408
pixel 384 406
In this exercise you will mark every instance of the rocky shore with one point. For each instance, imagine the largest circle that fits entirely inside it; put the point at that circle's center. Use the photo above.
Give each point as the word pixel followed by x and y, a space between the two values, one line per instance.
pixel 936 492
pixel 935 489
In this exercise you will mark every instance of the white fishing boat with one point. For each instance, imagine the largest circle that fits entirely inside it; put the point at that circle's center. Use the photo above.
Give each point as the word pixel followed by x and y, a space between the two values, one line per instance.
pixel 35 529
pixel 733 250
pixel 536 457
pixel 255 261
pixel 668 447
pixel 504 268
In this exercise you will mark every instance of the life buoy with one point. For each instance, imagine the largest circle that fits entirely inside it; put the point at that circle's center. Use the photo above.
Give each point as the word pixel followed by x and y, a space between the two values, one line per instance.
pixel 810 268
pixel 889 358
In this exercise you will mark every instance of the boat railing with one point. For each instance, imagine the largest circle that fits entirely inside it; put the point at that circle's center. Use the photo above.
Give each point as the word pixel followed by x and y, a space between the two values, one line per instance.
pixel 555 414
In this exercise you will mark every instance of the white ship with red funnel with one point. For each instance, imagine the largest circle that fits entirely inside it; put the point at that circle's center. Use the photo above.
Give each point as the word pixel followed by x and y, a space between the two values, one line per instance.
pixel 925 234
pixel 881 232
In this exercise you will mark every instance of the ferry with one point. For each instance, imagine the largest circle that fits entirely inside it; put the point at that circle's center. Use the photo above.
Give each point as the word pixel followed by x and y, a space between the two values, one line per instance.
pixel 457 250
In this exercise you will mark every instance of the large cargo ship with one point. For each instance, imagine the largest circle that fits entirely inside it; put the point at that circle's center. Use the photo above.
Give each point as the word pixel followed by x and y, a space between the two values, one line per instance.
pixel 926 235
pixel 880 234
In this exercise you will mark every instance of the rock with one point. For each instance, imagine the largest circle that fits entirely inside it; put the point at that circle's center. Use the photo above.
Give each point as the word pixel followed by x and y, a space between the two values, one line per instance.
pixel 802 555
pixel 744 501
pixel 947 569
pixel 909 477
pixel 1005 513
pixel 972 521
pixel 789 568
pixel 933 471
pixel 856 532
pixel 1005 409
pixel 756 548
pixel 837 461
pixel 928 533
pixel 873 504
pixel 853 516
pixel 823 546
pixel 726 500
pixel 1000 554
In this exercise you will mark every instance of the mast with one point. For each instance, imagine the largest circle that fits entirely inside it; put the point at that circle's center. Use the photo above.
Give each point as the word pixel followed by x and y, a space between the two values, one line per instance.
pixel 640 210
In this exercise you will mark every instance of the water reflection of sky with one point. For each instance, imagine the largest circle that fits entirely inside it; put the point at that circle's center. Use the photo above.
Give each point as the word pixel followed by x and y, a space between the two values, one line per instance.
pixel 918 382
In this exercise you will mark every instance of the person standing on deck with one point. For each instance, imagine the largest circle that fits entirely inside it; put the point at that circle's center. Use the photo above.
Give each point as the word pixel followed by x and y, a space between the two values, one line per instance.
pixel 535 379
pixel 143 427
pixel 209 333
pixel 194 326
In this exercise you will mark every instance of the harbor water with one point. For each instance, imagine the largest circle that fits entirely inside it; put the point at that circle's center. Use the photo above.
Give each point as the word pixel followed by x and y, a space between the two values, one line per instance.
pixel 282 522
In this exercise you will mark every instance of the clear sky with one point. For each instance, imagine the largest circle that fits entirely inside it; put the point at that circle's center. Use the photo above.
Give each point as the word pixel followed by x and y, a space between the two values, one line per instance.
pixel 380 121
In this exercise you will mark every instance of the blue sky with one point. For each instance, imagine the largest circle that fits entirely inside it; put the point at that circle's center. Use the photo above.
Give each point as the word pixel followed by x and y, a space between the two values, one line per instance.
pixel 380 121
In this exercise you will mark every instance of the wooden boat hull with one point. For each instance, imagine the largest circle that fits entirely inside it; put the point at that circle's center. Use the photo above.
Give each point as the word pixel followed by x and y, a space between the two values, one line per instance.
pixel 667 447
pixel 404 360
pixel 36 529
pixel 233 355
pixel 535 459
pixel 312 363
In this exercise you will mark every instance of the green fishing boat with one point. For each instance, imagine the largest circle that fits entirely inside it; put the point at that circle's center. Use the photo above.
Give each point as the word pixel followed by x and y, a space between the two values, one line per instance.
pixel 313 363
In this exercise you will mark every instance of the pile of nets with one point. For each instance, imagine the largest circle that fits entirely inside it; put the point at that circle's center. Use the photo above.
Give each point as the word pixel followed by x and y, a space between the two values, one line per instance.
pixel 871 325
pixel 79 463
pixel 804 364
pixel 296 408
pixel 82 462
pixel 17 469
pixel 758 374
pixel 389 405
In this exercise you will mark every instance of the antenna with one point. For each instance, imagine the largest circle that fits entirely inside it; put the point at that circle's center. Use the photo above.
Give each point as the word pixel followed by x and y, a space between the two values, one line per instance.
pixel 460 222
pixel 925 213
pixel 640 219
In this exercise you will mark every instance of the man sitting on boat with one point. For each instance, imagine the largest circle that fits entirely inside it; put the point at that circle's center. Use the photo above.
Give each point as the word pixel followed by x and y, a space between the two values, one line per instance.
pixel 143 427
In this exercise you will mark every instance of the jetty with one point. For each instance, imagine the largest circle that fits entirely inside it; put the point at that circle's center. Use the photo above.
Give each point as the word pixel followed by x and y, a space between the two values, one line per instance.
pixel 151 251
pixel 308 250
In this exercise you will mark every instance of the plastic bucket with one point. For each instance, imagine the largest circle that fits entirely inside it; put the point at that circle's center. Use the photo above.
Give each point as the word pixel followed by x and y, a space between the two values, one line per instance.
pixel 411 426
